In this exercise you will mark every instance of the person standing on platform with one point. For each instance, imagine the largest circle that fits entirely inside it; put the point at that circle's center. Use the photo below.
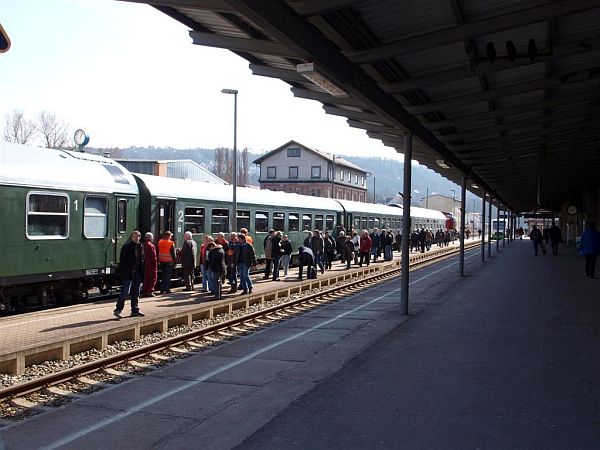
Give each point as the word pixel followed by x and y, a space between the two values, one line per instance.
pixel 374 243
pixel 348 251
pixel 276 252
pixel 318 247
pixel 340 245
pixel 230 261
pixel 329 246
pixel 365 248
pixel 286 246
pixel 536 237
pixel 555 238
pixel 245 257
pixel 216 267
pixel 267 244
pixel 166 260
pixel 151 268
pixel 248 238
pixel 203 266
pixel 590 247
pixel 131 264
pixel 189 255
pixel 356 241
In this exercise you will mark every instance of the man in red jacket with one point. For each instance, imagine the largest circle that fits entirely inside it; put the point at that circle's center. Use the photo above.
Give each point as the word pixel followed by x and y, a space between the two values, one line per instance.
pixel 365 248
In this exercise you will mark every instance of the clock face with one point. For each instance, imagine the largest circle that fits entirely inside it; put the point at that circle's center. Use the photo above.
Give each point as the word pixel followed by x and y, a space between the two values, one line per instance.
pixel 80 137
pixel 572 210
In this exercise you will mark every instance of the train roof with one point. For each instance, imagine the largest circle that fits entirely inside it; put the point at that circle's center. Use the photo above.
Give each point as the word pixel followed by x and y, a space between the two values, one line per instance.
pixel 186 189
pixel 25 165
pixel 424 213
pixel 369 208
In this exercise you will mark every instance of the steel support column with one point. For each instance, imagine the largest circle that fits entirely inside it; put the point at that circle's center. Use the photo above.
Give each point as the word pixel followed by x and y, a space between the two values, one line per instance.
pixel 498 228
pixel 406 225
pixel 504 231
pixel 483 227
pixel 463 202
pixel 490 229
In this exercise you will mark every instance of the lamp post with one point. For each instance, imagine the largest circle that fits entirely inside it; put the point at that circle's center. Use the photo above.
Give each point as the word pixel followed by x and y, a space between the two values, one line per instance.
pixel 233 218
pixel 453 202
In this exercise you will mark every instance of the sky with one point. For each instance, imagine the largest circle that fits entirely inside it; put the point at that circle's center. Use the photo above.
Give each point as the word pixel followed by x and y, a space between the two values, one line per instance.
pixel 130 76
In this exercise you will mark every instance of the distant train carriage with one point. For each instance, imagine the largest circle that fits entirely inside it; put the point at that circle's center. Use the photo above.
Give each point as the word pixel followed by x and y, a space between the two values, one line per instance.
pixel 65 216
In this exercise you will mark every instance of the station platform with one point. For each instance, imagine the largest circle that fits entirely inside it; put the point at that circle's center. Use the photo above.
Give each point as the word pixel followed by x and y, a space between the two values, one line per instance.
pixel 505 357
pixel 58 334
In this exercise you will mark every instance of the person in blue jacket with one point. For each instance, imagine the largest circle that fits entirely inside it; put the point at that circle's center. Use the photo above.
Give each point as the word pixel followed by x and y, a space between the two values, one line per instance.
pixel 590 247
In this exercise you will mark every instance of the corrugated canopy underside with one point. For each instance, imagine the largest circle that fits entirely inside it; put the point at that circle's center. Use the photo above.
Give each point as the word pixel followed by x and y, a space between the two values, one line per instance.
pixel 427 67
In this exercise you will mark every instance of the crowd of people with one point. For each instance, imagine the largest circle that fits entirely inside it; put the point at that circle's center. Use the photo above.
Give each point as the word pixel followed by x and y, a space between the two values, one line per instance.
pixel 222 260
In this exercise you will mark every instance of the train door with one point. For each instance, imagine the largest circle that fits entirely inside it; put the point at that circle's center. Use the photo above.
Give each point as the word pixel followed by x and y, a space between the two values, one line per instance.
pixel 166 220
pixel 125 223
pixel 340 221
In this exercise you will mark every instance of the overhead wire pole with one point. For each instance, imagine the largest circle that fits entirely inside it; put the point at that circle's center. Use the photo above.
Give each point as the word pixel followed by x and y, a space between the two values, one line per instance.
pixel 406 223
pixel 463 202
pixel 498 228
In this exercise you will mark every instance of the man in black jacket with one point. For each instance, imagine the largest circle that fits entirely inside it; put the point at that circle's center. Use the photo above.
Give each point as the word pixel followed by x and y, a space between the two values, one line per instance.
pixel 132 265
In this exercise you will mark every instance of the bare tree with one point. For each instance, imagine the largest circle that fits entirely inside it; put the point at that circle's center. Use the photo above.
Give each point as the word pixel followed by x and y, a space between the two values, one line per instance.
pixel 220 161
pixel 243 168
pixel 18 128
pixel 52 129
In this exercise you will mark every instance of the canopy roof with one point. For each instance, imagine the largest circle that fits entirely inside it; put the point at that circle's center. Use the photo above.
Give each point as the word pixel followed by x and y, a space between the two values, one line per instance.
pixel 518 120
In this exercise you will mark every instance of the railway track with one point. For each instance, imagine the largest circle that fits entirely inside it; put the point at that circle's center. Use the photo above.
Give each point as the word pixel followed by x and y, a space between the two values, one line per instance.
pixel 28 398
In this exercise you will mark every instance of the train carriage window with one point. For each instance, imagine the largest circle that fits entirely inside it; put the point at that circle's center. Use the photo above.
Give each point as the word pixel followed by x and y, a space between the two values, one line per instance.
pixel 371 223
pixel 194 219
pixel 364 222
pixel 261 221
pixel 377 223
pixel 95 217
pixel 278 221
pixel 357 224
pixel 307 221
pixel 122 216
pixel 243 219
pixel 219 220
pixel 319 221
pixel 47 216
pixel 329 222
pixel 293 222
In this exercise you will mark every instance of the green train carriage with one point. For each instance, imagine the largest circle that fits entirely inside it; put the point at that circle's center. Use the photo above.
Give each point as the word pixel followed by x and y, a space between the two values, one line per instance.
pixel 203 208
pixel 65 216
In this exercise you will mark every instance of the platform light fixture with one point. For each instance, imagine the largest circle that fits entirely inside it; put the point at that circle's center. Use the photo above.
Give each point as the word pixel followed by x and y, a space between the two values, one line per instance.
pixel 309 71
pixel 443 164
pixel 474 185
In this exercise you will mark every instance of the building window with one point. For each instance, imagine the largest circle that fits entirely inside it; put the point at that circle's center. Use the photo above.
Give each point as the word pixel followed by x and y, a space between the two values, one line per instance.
pixel 315 172
pixel 271 172
pixel 355 178
pixel 341 175
pixel 220 220
pixel 293 172
pixel 95 217
pixel 362 180
pixel 194 220
pixel 47 216
pixel 293 152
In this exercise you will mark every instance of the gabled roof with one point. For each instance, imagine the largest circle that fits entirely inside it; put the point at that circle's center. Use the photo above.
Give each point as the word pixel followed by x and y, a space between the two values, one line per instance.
pixel 327 156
